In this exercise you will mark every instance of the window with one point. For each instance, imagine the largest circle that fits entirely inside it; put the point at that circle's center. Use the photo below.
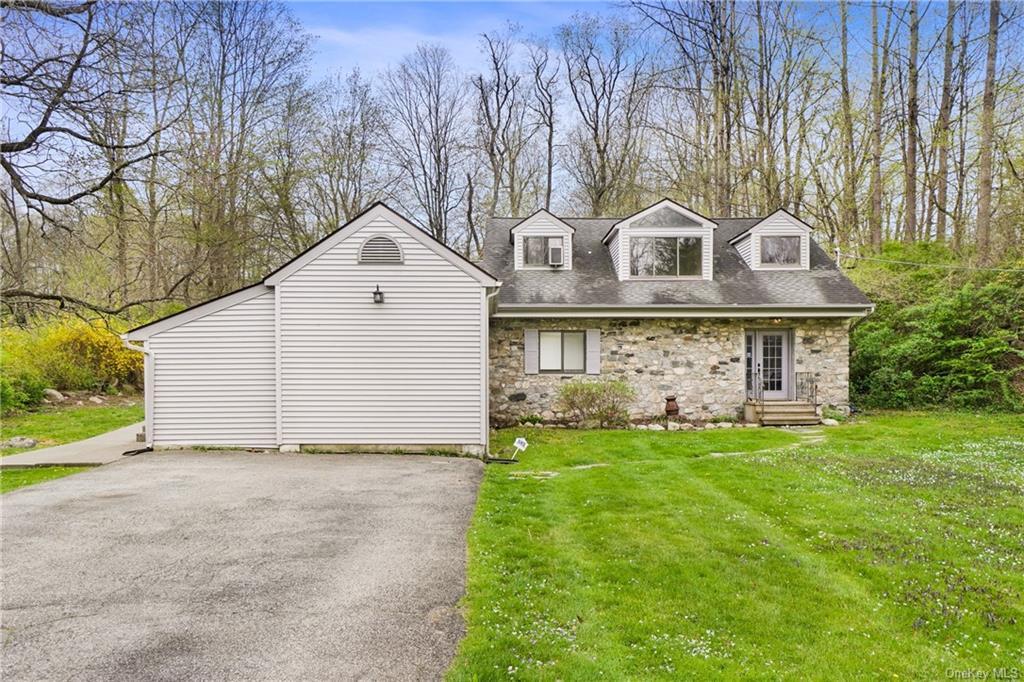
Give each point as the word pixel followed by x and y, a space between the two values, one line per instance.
pixel 563 352
pixel 535 249
pixel 666 256
pixel 780 250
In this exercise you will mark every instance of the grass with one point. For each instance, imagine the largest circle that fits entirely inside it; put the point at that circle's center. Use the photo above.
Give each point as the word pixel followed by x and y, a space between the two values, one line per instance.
pixel 10 479
pixel 56 426
pixel 892 547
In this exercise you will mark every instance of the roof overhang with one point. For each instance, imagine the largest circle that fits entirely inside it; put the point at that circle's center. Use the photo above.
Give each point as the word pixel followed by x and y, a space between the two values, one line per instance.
pixel 377 210
pixel 542 213
pixel 381 210
pixel 540 310
pixel 796 223
pixel 143 332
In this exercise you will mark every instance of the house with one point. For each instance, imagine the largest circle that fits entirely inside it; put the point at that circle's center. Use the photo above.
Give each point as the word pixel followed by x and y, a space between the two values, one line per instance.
pixel 379 336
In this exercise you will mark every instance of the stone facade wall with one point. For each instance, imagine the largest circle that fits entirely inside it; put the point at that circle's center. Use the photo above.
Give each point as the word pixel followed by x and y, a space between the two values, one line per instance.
pixel 699 361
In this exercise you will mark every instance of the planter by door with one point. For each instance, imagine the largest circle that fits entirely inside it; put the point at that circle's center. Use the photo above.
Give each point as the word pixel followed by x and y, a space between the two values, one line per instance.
pixel 769 354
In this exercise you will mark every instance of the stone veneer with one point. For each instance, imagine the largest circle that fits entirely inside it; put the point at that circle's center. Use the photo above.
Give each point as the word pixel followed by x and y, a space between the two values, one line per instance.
pixel 699 360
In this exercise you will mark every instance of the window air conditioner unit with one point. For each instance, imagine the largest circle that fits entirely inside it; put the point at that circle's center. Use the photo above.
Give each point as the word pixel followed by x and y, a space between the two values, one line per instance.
pixel 555 254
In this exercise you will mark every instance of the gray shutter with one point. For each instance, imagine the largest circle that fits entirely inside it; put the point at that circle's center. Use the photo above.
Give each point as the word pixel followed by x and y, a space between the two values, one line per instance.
pixel 593 351
pixel 531 350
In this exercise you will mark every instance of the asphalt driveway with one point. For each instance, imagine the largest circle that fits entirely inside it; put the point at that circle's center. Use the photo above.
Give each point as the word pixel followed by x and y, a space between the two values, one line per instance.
pixel 175 566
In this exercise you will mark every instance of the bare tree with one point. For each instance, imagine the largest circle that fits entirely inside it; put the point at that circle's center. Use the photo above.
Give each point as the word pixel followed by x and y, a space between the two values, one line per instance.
pixel 608 73
pixel 504 133
pixel 349 169
pixel 427 140
pixel 54 74
pixel 545 66
pixel 240 60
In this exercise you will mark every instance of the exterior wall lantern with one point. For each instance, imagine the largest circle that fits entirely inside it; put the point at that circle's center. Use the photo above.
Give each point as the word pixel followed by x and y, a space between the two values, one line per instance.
pixel 378 295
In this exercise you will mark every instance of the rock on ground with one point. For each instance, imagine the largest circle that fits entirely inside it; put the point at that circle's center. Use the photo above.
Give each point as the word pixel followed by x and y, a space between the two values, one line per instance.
pixel 19 442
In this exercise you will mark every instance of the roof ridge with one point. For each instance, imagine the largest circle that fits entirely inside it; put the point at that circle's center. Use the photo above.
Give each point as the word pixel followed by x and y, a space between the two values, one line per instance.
pixel 578 217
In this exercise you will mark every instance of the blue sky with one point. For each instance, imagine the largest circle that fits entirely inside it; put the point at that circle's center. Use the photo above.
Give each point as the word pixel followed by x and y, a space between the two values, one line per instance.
pixel 373 34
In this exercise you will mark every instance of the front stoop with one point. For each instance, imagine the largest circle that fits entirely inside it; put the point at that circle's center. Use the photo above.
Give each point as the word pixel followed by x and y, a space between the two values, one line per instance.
pixel 782 413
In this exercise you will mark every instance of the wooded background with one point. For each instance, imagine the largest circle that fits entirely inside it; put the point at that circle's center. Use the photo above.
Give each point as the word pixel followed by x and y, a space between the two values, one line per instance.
pixel 180 150
pixel 158 154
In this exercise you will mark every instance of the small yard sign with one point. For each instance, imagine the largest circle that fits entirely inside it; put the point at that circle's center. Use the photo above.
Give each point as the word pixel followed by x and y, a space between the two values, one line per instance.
pixel 520 445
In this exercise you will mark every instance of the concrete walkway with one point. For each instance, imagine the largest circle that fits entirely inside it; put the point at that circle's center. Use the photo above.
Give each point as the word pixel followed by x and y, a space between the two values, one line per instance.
pixel 102 449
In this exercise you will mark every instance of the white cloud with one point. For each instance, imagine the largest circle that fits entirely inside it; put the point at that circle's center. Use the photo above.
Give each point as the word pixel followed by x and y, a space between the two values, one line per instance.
pixel 374 49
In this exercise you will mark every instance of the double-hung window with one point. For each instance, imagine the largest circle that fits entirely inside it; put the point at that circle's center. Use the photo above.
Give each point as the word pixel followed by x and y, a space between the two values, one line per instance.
pixel 780 251
pixel 563 352
pixel 666 256
pixel 535 249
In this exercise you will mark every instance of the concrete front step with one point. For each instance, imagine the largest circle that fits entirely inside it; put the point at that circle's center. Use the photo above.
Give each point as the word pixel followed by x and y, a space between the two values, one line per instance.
pixel 790 421
pixel 786 409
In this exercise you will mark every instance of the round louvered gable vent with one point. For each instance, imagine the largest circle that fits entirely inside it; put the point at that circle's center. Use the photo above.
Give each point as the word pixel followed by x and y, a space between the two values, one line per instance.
pixel 379 250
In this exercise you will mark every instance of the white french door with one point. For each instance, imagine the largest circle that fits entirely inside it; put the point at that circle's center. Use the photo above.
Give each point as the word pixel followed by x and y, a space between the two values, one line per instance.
pixel 768 357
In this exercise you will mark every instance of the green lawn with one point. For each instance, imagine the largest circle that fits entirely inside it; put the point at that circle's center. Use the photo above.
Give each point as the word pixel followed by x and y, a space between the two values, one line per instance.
pixel 894 548
pixel 19 478
pixel 56 426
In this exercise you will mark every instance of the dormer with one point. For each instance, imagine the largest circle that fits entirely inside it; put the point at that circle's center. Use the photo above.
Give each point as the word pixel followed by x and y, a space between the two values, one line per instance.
pixel 779 242
pixel 666 241
pixel 542 242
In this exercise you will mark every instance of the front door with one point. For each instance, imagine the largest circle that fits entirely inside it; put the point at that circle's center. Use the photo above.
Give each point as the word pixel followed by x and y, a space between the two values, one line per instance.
pixel 768 358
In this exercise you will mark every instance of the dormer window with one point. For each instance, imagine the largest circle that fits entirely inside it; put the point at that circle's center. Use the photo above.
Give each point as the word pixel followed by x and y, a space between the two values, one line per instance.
pixel 778 242
pixel 543 242
pixel 780 251
pixel 540 251
pixel 666 257
pixel 663 241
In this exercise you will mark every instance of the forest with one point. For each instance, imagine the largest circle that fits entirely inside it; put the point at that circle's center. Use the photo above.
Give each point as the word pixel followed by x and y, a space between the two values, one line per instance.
pixel 156 154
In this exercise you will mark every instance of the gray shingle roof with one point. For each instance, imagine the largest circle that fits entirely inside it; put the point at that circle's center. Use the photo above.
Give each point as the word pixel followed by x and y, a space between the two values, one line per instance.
pixel 592 280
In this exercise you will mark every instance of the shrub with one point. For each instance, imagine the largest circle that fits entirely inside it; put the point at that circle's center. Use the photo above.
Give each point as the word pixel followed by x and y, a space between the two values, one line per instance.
pixel 603 402
pixel 19 390
pixel 71 354
pixel 939 339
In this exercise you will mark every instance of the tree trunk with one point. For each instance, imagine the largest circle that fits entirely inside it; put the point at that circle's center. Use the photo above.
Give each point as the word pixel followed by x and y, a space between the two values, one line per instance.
pixel 879 64
pixel 910 177
pixel 848 215
pixel 942 133
pixel 988 106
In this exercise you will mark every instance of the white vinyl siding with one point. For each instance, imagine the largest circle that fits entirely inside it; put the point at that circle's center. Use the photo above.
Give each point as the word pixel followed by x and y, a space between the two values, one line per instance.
pixel 542 226
pixel 743 248
pixel 214 378
pixel 613 251
pixel 407 371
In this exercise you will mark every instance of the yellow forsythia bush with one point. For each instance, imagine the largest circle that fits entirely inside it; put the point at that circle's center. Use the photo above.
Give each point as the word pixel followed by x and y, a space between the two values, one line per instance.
pixel 72 354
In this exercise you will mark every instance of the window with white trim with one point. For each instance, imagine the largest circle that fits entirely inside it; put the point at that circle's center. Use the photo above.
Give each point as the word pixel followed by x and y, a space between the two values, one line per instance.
pixel 563 352
pixel 780 250
pixel 666 256
pixel 536 249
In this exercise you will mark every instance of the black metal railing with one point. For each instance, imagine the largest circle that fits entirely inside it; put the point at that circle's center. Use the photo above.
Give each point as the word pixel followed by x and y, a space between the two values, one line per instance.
pixel 806 388
pixel 755 388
